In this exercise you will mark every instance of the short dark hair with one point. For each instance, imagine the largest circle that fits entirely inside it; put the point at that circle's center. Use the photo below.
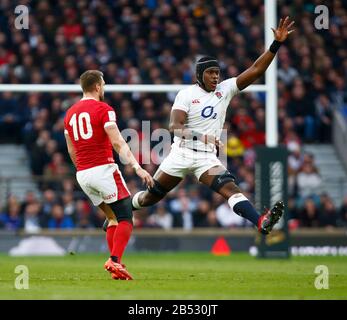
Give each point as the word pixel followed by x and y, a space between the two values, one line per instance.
pixel 89 79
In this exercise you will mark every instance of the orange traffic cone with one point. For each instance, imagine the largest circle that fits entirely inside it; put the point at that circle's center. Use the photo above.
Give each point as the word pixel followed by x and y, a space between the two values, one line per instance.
pixel 221 247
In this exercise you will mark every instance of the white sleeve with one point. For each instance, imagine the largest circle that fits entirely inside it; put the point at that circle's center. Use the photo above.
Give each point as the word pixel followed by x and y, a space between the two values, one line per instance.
pixel 231 87
pixel 181 101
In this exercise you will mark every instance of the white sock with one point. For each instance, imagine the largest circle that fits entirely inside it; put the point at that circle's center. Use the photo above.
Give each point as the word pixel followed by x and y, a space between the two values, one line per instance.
pixel 135 200
pixel 236 198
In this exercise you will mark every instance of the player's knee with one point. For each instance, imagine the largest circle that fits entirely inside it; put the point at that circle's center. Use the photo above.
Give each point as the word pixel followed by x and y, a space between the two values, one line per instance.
pixel 155 193
pixel 122 210
pixel 221 180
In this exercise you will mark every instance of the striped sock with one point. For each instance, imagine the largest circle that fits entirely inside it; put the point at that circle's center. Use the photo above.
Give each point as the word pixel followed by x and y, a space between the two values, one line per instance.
pixel 242 206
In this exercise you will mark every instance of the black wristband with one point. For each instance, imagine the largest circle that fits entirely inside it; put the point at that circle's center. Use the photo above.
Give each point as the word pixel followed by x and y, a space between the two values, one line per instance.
pixel 275 46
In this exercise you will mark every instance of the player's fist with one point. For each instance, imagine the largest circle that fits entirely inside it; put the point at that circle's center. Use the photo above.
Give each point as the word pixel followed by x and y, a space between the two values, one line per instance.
pixel 145 177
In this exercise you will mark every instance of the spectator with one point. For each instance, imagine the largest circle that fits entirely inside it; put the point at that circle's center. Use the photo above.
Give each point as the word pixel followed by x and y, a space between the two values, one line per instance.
pixel 182 208
pixel 328 217
pixel 287 73
pixel 343 211
pixel 57 168
pixel 200 214
pixel 140 218
pixel 10 117
pixel 161 218
pixel 71 29
pixel 69 204
pixel 301 109
pixel 228 219
pixel 339 93
pixel 309 214
pixel 48 201
pixel 293 214
pixel 295 161
pixel 32 218
pixel 309 183
pixel 212 221
pixel 11 217
pixel 234 147
pixel 325 115
pixel 83 214
pixel 30 198
pixel 59 220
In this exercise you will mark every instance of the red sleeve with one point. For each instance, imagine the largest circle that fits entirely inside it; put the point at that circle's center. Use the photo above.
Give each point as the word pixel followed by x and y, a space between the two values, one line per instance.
pixel 65 124
pixel 107 115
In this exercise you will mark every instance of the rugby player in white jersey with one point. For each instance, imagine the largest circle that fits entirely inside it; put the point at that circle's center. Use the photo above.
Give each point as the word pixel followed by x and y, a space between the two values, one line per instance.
pixel 197 115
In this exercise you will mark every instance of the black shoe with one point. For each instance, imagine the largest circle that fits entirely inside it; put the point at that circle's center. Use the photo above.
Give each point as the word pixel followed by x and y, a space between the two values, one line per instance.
pixel 270 217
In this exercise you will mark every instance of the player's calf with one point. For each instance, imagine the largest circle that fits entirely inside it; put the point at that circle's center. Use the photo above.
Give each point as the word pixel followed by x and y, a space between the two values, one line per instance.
pixel 149 197
pixel 143 199
pixel 225 185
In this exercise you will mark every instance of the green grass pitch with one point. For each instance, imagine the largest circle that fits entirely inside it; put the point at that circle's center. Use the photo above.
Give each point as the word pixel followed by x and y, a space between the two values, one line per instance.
pixel 174 276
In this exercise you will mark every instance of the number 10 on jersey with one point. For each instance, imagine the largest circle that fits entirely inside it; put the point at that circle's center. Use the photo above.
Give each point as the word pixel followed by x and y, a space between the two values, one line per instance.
pixel 78 127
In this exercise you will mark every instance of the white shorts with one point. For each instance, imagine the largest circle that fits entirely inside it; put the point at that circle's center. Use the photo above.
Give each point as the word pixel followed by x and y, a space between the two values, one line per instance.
pixel 182 161
pixel 103 183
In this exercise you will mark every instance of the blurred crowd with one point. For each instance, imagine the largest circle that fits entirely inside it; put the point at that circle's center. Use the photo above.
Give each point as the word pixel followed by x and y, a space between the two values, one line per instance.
pixel 158 42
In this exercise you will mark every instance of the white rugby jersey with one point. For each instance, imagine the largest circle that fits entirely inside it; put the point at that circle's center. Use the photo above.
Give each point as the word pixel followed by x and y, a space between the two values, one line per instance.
pixel 205 111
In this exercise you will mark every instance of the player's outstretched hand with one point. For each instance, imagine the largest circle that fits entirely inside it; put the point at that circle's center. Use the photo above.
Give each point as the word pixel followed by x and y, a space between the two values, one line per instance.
pixel 145 177
pixel 283 30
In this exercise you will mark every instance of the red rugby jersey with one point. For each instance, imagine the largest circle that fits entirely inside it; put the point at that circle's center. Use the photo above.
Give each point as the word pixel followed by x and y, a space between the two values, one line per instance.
pixel 85 122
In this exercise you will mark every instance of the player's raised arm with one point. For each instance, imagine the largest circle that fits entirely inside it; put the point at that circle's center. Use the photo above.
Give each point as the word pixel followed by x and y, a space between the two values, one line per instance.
pixel 122 148
pixel 261 64
pixel 70 148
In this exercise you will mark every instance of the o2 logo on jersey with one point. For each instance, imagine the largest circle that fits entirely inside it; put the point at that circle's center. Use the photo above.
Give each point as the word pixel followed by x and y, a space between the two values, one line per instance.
pixel 207 112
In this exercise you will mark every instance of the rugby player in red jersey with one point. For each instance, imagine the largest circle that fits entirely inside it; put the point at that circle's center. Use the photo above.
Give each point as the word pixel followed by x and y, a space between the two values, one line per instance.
pixel 91 132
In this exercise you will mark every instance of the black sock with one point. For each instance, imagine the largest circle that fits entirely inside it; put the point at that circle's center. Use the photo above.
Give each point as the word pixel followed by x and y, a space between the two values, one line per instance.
pixel 246 210
pixel 114 259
